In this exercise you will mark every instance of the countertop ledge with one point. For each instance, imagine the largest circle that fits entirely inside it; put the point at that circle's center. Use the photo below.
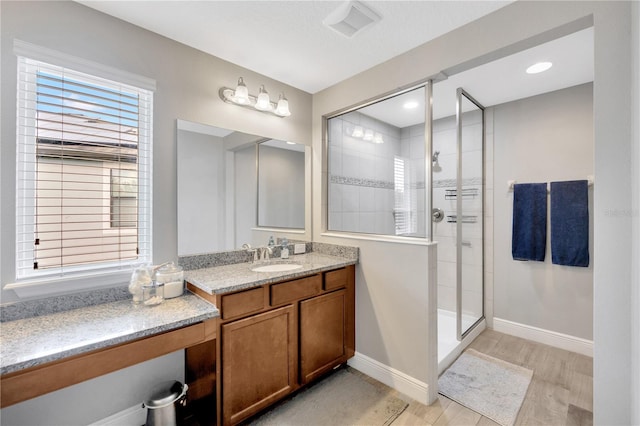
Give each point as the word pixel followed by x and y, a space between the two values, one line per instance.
pixel 34 341
pixel 239 276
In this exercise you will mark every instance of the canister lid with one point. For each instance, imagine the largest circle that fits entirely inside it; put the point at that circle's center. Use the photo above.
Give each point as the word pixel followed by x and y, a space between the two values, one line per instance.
pixel 170 268
pixel 166 394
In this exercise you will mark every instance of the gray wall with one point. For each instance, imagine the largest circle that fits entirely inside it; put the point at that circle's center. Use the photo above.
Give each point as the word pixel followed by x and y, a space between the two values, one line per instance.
pixel 97 398
pixel 201 193
pixel 512 28
pixel 190 92
pixel 280 187
pixel 187 83
pixel 635 195
pixel 542 139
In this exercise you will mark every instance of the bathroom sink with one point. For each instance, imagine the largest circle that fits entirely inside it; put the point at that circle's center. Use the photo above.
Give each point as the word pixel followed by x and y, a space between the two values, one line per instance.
pixel 277 267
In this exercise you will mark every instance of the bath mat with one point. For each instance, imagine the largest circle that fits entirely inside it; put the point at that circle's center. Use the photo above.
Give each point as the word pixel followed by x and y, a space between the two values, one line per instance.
pixel 343 398
pixel 487 385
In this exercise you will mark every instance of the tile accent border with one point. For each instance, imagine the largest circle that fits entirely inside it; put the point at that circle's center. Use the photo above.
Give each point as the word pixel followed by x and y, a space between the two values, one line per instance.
pixel 369 183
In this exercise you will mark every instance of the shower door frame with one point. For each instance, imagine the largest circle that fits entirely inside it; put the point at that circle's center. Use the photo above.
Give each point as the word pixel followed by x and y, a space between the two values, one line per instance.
pixel 460 92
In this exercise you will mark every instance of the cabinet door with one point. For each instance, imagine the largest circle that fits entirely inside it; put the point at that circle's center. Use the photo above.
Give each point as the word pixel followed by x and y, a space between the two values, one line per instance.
pixel 258 362
pixel 322 334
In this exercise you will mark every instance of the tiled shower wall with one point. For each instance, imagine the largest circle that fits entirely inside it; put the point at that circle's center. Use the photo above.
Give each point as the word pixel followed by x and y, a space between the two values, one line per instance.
pixel 361 175
pixel 444 178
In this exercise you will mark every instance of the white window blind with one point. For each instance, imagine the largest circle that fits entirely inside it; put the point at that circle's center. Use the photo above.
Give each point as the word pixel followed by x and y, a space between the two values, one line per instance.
pixel 83 173
pixel 404 198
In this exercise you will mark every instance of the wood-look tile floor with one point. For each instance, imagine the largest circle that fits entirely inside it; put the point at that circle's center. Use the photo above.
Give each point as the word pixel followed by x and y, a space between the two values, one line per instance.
pixel 560 393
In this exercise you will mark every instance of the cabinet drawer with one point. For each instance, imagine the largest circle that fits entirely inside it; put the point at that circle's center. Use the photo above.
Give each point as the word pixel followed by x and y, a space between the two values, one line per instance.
pixel 295 290
pixel 245 302
pixel 335 279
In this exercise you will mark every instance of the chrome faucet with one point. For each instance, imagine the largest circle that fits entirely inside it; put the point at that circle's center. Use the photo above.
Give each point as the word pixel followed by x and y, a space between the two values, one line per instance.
pixel 265 253
pixel 247 247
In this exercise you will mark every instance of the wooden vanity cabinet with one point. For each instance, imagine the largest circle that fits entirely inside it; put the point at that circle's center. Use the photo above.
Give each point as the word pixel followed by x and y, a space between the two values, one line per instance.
pixel 322 334
pixel 276 338
pixel 258 362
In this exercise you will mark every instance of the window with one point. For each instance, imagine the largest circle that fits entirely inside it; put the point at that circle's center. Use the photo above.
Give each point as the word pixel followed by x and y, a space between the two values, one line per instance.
pixel 404 198
pixel 376 172
pixel 83 173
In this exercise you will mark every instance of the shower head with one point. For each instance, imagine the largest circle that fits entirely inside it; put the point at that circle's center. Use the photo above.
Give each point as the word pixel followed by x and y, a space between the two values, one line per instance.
pixel 434 158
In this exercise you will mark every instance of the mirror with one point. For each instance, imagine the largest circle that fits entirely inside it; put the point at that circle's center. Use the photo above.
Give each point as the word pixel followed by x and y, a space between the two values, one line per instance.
pixel 221 202
pixel 280 184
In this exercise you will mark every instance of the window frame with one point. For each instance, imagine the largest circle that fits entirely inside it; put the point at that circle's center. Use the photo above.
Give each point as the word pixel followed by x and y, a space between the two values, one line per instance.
pixel 83 277
pixel 326 230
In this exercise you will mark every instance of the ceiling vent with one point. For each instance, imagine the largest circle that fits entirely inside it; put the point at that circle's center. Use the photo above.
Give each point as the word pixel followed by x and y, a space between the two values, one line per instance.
pixel 350 18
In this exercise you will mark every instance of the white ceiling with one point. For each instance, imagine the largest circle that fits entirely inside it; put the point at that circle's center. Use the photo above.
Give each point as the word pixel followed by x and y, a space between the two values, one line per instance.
pixel 500 81
pixel 286 40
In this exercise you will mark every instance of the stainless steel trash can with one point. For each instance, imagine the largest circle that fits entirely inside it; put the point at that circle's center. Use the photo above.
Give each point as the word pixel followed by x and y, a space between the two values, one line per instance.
pixel 163 403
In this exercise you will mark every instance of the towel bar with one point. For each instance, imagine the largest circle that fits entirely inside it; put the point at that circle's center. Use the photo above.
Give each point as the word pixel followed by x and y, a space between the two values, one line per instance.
pixel 511 183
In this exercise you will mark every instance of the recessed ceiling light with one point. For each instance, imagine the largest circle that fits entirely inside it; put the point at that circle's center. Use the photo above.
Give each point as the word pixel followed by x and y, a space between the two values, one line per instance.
pixel 539 67
pixel 410 105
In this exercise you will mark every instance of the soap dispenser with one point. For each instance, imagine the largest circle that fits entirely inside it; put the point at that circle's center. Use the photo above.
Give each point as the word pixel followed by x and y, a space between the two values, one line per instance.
pixel 271 243
pixel 284 249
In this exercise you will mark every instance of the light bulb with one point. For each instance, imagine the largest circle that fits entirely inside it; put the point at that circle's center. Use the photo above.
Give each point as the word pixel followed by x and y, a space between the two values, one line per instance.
pixel 368 135
pixel 539 67
pixel 263 103
pixel 377 138
pixel 241 94
pixel 357 132
pixel 283 107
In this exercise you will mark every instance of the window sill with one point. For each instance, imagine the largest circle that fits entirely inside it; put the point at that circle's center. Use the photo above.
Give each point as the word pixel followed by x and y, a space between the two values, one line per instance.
pixel 37 288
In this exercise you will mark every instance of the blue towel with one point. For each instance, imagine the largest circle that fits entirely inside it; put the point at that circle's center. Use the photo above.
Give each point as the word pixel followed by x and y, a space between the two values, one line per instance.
pixel 529 237
pixel 570 223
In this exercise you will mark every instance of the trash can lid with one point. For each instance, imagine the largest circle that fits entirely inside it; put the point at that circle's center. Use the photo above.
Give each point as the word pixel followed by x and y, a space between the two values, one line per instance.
pixel 166 394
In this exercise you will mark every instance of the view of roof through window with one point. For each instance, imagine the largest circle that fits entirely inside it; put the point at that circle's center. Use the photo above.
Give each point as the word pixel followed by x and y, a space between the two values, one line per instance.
pixel 87 183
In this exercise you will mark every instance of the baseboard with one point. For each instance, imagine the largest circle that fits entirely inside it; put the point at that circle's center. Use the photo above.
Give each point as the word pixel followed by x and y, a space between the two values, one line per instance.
pixel 133 416
pixel 547 337
pixel 398 380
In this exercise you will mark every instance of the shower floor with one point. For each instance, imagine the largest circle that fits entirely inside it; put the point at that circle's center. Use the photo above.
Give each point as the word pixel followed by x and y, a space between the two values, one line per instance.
pixel 448 345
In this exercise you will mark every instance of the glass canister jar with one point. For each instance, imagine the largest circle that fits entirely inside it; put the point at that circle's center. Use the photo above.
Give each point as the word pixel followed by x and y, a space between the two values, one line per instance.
pixel 140 277
pixel 172 276
pixel 152 294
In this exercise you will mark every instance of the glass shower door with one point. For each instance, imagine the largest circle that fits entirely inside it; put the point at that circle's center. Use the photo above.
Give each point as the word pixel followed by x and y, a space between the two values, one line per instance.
pixel 469 213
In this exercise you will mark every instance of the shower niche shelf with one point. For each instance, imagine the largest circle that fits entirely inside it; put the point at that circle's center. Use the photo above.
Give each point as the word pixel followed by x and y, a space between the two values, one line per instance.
pixel 464 219
pixel 452 194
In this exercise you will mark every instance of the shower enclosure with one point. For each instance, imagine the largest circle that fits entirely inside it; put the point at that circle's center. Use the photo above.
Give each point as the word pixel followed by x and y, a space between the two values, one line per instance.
pixel 379 183
pixel 458 211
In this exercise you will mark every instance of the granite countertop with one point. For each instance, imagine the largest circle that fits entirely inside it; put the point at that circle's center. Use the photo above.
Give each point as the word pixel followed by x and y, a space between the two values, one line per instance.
pixel 239 276
pixel 33 341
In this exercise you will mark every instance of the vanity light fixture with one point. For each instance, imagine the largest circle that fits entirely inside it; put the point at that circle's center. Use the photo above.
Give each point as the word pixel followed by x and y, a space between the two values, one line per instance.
pixel 539 67
pixel 240 96
pixel 365 134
